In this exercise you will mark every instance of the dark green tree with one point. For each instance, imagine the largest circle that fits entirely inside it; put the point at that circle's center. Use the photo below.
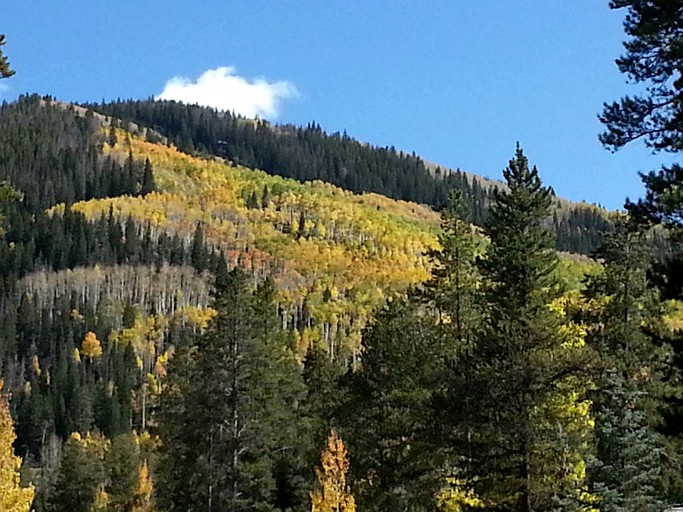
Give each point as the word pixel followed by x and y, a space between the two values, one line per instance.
pixel 498 416
pixel 229 409
pixel 653 57
pixel 122 466
pixel 451 290
pixel 148 184
pixel 323 394
pixel 625 333
pixel 386 416
pixel 5 71
pixel 80 477
pixel 627 471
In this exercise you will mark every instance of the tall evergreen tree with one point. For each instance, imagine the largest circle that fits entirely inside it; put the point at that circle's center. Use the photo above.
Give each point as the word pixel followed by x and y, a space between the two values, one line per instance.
pixel 629 466
pixel 387 415
pixel 148 184
pixel 229 408
pixel 451 290
pixel 502 391
pixel 627 470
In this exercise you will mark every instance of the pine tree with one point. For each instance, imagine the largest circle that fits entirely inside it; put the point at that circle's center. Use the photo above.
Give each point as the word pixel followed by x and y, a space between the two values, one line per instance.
pixel 451 290
pixel 81 475
pixel 5 71
pixel 653 56
pixel 198 256
pixel 501 393
pixel 13 497
pixel 148 184
pixel 333 494
pixel 229 408
pixel 387 414
pixel 122 466
pixel 627 472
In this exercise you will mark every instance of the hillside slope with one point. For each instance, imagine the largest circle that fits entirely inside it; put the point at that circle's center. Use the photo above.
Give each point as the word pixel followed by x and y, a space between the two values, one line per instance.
pixel 308 153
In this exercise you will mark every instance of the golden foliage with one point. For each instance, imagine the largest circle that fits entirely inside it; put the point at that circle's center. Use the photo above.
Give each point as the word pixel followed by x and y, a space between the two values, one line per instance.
pixel 91 346
pixel 144 490
pixel 333 494
pixel 361 245
pixel 457 498
pixel 13 497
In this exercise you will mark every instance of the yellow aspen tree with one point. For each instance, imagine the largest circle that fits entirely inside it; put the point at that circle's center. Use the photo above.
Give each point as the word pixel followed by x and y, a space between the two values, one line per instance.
pixel 144 491
pixel 13 497
pixel 333 493
pixel 91 347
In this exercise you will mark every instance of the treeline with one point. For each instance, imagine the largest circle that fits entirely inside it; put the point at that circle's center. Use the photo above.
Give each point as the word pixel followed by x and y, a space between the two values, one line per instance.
pixel 53 155
pixel 308 153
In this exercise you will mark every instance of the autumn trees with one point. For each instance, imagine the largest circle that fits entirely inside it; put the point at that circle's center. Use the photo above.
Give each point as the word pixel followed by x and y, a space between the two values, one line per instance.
pixel 332 493
pixel 13 497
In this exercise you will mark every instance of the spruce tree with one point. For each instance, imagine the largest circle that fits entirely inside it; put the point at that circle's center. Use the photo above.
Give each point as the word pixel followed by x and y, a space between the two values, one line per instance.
pixel 229 408
pixel 386 416
pixel 451 291
pixel 148 184
pixel 629 465
pixel 627 470
pixel 503 430
pixel 5 71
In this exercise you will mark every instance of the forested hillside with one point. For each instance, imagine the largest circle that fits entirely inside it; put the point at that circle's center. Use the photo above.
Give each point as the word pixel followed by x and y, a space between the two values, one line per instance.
pixel 308 153
pixel 202 312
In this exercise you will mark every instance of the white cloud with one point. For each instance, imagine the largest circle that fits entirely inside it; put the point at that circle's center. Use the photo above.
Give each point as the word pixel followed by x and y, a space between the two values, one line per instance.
pixel 223 89
pixel 3 89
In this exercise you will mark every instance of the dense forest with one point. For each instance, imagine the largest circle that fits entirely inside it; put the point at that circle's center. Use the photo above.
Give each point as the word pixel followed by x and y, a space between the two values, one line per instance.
pixel 202 312
pixel 308 153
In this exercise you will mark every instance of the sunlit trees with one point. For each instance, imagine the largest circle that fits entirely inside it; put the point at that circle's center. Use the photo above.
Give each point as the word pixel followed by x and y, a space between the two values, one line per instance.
pixel 653 57
pixel 502 390
pixel 332 493
pixel 13 497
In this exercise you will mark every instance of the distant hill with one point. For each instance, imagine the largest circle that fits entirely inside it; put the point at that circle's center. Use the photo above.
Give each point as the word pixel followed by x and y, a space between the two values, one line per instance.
pixel 308 153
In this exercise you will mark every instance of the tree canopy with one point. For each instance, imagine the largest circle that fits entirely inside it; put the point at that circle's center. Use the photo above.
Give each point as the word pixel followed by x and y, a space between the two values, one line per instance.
pixel 654 56
pixel 5 70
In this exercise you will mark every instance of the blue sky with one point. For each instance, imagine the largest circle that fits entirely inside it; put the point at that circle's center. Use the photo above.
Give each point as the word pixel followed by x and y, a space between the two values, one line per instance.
pixel 456 81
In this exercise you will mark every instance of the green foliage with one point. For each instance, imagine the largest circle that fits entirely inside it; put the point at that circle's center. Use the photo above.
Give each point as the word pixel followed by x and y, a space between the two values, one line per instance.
pixel 630 464
pixel 5 71
pixel 451 291
pixel 81 473
pixel 653 56
pixel 122 466
pixel 627 470
pixel 387 416
pixel 503 400
pixel 229 407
